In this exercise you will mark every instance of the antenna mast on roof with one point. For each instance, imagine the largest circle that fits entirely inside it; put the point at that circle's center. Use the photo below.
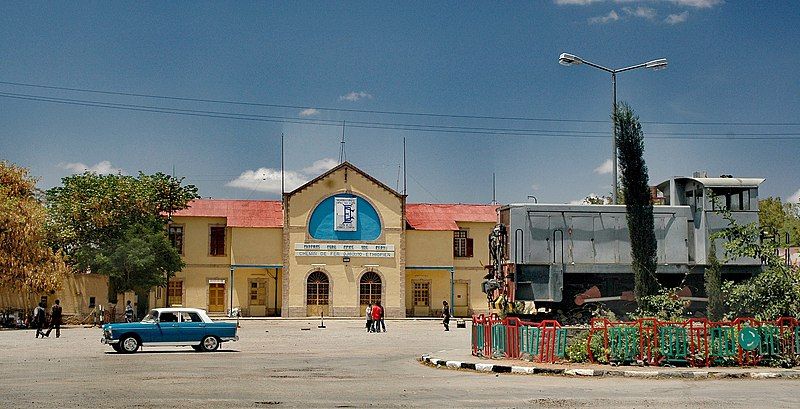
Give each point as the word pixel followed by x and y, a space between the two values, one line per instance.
pixel 342 154
pixel 404 166
pixel 282 188
pixel 494 190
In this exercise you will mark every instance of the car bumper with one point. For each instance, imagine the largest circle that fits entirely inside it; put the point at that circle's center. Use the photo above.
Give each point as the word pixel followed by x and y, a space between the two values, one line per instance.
pixel 226 339
pixel 105 340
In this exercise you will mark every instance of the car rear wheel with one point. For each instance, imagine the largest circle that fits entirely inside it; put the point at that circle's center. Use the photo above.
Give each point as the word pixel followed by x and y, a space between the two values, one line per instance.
pixel 129 344
pixel 209 343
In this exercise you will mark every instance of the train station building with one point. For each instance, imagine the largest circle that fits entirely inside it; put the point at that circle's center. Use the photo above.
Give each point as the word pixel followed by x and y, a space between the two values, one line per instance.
pixel 330 247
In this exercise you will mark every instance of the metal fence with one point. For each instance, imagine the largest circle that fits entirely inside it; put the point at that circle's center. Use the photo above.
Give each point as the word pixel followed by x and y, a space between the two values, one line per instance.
pixel 694 342
pixel 514 338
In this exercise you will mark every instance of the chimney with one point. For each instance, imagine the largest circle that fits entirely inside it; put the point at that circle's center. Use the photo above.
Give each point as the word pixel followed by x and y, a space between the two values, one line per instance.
pixel 700 174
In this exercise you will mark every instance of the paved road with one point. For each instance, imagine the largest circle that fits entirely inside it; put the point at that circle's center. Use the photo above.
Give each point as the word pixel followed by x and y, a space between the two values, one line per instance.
pixel 278 364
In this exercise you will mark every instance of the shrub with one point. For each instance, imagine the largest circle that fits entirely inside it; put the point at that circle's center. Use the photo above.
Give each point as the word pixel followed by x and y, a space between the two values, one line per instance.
pixel 577 352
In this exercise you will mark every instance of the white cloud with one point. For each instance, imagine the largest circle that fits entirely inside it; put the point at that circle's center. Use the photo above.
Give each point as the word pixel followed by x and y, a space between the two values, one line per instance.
pixel 101 168
pixel 355 96
pixel 795 198
pixel 677 18
pixel 641 12
pixel 610 17
pixel 535 186
pixel 698 4
pixel 269 180
pixel 320 166
pixel 309 112
pixel 605 168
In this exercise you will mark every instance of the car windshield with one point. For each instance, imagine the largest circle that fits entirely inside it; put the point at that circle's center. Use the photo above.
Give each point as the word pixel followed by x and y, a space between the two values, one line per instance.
pixel 151 317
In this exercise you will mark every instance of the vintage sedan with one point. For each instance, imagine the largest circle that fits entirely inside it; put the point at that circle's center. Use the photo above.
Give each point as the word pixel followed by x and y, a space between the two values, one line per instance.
pixel 170 327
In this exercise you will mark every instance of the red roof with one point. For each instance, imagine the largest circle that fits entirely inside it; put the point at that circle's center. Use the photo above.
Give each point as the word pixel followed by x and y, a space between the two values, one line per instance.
pixel 239 213
pixel 426 216
pixel 269 213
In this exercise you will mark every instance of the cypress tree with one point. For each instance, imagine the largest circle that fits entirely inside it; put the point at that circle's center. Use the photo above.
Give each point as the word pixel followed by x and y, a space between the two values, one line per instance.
pixel 639 207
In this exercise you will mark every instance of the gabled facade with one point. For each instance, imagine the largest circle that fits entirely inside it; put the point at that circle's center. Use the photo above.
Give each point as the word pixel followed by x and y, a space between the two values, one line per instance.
pixel 333 245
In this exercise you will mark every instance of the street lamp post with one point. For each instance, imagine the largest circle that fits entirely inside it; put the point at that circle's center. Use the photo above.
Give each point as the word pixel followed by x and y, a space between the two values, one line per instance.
pixel 570 59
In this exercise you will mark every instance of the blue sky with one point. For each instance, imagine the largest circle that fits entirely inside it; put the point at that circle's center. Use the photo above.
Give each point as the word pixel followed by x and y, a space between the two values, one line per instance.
pixel 730 63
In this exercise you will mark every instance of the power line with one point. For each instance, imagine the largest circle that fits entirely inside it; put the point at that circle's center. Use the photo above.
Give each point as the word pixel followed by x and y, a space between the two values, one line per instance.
pixel 393 126
pixel 381 112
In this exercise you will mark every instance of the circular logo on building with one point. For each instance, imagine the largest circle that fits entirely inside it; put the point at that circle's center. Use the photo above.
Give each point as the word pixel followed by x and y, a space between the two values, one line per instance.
pixel 749 339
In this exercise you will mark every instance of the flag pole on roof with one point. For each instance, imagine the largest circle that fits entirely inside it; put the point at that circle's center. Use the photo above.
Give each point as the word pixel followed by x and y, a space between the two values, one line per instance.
pixel 282 189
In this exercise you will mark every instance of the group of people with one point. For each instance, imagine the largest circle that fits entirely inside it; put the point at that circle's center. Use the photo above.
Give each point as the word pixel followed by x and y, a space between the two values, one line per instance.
pixel 375 321
pixel 39 319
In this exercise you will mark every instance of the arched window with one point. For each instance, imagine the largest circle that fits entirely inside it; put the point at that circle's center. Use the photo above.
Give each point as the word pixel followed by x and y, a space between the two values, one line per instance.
pixel 370 287
pixel 317 289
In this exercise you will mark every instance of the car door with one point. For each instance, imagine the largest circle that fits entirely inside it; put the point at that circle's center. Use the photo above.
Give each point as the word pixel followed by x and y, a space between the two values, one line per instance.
pixel 192 327
pixel 169 327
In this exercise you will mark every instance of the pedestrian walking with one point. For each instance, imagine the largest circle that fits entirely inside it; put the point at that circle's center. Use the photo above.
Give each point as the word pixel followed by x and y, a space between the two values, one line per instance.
pixel 381 326
pixel 38 319
pixel 55 320
pixel 368 313
pixel 376 316
pixel 446 316
pixel 128 312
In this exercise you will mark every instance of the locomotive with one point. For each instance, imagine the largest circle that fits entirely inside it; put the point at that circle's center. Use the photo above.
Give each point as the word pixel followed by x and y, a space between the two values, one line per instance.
pixel 558 255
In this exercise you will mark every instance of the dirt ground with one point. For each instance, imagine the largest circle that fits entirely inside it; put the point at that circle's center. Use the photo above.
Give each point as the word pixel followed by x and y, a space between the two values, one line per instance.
pixel 295 364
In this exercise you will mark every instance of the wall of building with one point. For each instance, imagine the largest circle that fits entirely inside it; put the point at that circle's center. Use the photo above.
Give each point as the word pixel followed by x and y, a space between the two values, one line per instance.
pixel 74 295
pixel 344 276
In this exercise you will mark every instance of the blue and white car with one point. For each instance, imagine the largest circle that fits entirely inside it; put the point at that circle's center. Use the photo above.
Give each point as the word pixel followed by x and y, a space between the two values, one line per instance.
pixel 170 327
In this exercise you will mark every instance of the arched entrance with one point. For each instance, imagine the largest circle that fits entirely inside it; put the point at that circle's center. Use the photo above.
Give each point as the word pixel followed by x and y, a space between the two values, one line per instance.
pixel 317 294
pixel 369 290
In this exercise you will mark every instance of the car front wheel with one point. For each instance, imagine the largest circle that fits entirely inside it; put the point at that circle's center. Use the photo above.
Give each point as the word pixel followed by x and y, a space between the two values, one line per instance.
pixel 209 343
pixel 129 344
pixel 117 347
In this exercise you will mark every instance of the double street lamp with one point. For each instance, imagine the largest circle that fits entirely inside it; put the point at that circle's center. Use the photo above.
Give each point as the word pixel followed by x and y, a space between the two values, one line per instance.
pixel 570 59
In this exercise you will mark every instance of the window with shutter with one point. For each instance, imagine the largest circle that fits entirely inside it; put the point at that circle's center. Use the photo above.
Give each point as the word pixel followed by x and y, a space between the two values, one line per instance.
pixel 217 241
pixel 462 245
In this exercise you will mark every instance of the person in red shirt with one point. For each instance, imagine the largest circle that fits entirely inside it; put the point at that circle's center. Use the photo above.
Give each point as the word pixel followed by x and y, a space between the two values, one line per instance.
pixel 377 317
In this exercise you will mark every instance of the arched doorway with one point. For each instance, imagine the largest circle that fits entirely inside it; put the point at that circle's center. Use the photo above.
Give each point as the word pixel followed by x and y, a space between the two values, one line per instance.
pixel 369 290
pixel 317 294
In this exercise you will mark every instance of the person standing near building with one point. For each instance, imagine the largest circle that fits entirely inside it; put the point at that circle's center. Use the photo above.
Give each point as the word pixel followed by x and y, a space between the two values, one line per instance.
pixel 446 316
pixel 128 312
pixel 38 319
pixel 380 325
pixel 376 316
pixel 368 312
pixel 55 319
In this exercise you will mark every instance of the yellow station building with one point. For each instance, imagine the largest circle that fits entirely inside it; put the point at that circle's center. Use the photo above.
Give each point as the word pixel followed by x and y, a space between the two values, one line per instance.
pixel 331 246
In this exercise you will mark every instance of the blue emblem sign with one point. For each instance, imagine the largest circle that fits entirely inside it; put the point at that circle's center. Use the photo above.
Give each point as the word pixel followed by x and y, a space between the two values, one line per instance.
pixel 749 339
pixel 345 214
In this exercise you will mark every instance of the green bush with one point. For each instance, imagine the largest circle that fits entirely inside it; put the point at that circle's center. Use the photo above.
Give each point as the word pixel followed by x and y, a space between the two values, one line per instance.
pixel 576 350
pixel 665 306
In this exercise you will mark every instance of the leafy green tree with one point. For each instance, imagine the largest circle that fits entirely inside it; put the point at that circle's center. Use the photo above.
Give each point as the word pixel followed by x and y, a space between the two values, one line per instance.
pixel 777 219
pixel 715 309
pixel 775 291
pixel 93 218
pixel 26 262
pixel 639 207
pixel 142 258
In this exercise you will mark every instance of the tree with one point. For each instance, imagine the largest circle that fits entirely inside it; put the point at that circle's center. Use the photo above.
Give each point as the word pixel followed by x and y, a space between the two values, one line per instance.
pixel 777 219
pixel 141 259
pixel 94 219
pixel 638 206
pixel 775 291
pixel 26 262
